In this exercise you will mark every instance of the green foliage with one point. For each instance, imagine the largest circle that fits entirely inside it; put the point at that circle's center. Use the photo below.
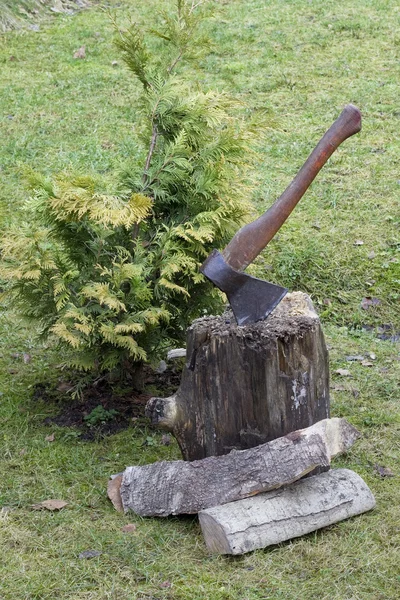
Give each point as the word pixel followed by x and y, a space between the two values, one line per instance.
pixel 99 416
pixel 111 268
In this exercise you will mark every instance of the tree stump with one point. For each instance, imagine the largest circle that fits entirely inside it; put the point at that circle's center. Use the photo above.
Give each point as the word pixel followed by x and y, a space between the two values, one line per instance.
pixel 244 386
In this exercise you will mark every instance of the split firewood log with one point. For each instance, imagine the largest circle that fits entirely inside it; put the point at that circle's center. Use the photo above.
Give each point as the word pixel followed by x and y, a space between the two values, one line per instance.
pixel 171 488
pixel 283 514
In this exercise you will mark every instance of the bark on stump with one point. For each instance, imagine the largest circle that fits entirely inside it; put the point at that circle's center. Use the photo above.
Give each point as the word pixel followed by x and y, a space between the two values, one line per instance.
pixel 244 386
pixel 281 515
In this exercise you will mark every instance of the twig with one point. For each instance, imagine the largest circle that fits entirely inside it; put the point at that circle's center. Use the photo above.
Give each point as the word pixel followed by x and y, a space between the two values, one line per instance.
pixel 175 62
pixel 150 152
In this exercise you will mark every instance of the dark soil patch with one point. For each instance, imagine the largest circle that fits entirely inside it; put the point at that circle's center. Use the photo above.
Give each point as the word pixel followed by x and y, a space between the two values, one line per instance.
pixel 104 408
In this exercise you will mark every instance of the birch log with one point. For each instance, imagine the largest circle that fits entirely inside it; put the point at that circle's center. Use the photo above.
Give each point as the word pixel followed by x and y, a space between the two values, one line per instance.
pixel 171 488
pixel 244 386
pixel 286 513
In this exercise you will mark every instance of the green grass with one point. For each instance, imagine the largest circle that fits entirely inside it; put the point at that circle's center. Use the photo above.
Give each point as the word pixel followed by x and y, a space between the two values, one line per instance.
pixel 294 65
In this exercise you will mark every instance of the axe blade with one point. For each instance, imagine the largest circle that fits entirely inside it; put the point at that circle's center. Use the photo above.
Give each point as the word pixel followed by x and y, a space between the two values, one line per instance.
pixel 251 299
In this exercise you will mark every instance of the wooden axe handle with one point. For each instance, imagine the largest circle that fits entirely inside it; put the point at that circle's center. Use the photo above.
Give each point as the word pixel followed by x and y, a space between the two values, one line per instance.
pixel 251 239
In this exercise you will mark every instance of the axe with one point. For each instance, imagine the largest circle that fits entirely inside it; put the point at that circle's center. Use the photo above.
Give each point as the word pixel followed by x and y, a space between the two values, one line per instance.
pixel 252 299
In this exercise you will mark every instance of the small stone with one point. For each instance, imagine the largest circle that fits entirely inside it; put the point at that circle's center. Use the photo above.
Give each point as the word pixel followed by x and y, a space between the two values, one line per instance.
pixel 383 471
pixel 89 554
pixel 162 367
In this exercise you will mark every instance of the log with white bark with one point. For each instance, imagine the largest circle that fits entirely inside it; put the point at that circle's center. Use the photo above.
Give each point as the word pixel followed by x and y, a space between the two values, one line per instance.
pixel 177 487
pixel 286 513
pixel 244 386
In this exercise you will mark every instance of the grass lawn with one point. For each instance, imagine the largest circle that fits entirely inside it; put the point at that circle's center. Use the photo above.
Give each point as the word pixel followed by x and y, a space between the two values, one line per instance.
pixel 293 65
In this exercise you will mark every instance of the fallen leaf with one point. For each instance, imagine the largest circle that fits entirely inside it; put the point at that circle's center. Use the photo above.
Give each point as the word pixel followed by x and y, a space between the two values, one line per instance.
pixel 90 554
pixel 338 388
pixel 130 528
pixel 343 372
pixel 383 471
pixel 316 225
pixel 64 387
pixel 367 363
pixel 26 358
pixel 114 63
pixel 49 438
pixel 372 355
pixel 367 302
pixel 50 505
pixel 80 53
pixel 166 584
pixel 113 492
pixel 354 357
pixel 358 243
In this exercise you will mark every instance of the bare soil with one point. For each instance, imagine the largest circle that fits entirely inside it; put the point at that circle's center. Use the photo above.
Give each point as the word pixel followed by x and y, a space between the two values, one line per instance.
pixel 128 404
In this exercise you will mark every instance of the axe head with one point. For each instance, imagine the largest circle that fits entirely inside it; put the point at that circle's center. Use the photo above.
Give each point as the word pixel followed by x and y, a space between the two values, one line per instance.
pixel 251 299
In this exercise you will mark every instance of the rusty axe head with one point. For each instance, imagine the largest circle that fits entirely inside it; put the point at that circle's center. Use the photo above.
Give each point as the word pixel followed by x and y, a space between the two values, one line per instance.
pixel 251 299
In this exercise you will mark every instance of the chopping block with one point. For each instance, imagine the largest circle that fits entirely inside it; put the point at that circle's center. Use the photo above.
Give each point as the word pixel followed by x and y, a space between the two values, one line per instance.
pixel 243 386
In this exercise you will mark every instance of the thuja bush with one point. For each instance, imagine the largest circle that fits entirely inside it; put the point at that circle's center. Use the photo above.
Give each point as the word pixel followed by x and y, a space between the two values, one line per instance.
pixel 112 270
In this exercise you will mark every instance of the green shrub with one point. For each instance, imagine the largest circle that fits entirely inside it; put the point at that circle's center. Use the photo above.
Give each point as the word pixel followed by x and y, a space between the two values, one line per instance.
pixel 112 268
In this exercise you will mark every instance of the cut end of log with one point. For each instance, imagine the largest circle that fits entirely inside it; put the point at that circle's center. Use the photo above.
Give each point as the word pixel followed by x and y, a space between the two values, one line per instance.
pixel 338 435
pixel 113 491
